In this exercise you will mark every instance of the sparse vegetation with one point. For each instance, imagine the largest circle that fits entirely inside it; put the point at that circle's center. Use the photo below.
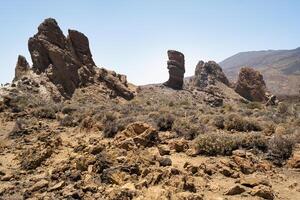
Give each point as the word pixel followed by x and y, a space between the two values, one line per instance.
pixel 223 144
pixel 165 122
pixel 47 112
pixel 68 121
pixel 236 123
pixel 187 129
pixel 111 125
pixel 280 148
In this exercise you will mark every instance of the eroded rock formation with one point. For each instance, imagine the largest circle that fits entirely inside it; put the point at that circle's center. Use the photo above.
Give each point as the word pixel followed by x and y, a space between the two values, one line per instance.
pixel 67 62
pixel 207 73
pixel 251 85
pixel 176 69
pixel 22 67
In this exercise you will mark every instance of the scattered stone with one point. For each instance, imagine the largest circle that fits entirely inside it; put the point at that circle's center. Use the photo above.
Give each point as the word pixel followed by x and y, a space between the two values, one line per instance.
pixel 164 161
pixel 237 189
pixel 226 171
pixel 246 166
pixel 137 134
pixel 294 161
pixel 179 145
pixel 252 181
pixel 188 196
pixel 121 194
pixel 7 177
pixel 39 185
pixel 57 186
pixel 163 150
pixel 263 191
pixel 239 152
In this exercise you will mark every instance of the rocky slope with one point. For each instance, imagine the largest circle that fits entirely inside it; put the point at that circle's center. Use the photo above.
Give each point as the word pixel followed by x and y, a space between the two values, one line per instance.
pixel 281 68
pixel 89 134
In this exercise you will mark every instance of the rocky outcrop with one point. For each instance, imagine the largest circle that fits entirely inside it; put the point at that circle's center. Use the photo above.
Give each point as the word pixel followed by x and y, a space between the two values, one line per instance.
pixel 176 70
pixel 207 73
pixel 67 62
pixel 251 85
pixel 22 67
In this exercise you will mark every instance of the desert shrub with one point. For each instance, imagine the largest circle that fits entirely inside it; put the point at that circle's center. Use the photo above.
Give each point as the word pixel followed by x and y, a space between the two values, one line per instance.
pixel 165 122
pixel 186 129
pixel 254 105
pixel 218 122
pixel 269 128
pixel 280 148
pixel 47 112
pixel 215 144
pixel 110 129
pixel 87 123
pixel 68 121
pixel 109 116
pixel 111 125
pixel 68 109
pixel 282 108
pixel 227 108
pixel 20 128
pixel 254 141
pixel 238 123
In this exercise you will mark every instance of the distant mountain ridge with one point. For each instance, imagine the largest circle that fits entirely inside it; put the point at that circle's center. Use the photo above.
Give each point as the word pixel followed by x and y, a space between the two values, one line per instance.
pixel 280 68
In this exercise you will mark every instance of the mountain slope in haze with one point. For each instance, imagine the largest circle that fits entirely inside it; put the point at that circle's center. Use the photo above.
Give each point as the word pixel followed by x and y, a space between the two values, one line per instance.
pixel 280 68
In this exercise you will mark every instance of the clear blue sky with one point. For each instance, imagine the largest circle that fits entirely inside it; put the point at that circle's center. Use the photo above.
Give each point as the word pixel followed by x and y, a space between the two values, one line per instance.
pixel 132 36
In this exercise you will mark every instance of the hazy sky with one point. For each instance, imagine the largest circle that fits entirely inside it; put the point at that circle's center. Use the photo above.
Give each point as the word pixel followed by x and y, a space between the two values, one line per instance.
pixel 132 36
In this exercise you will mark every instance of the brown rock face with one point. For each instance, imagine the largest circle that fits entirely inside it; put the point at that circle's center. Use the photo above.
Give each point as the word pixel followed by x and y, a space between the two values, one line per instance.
pixel 207 73
pixel 67 62
pixel 251 85
pixel 176 70
pixel 22 67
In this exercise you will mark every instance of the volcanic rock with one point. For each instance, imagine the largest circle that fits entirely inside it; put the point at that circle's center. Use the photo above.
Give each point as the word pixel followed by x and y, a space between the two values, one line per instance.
pixel 22 67
pixel 207 73
pixel 63 60
pixel 67 63
pixel 236 189
pixel 176 70
pixel 251 85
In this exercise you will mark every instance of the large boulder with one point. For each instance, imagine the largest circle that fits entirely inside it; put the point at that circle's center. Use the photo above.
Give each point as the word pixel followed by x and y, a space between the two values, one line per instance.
pixel 207 73
pixel 251 85
pixel 176 70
